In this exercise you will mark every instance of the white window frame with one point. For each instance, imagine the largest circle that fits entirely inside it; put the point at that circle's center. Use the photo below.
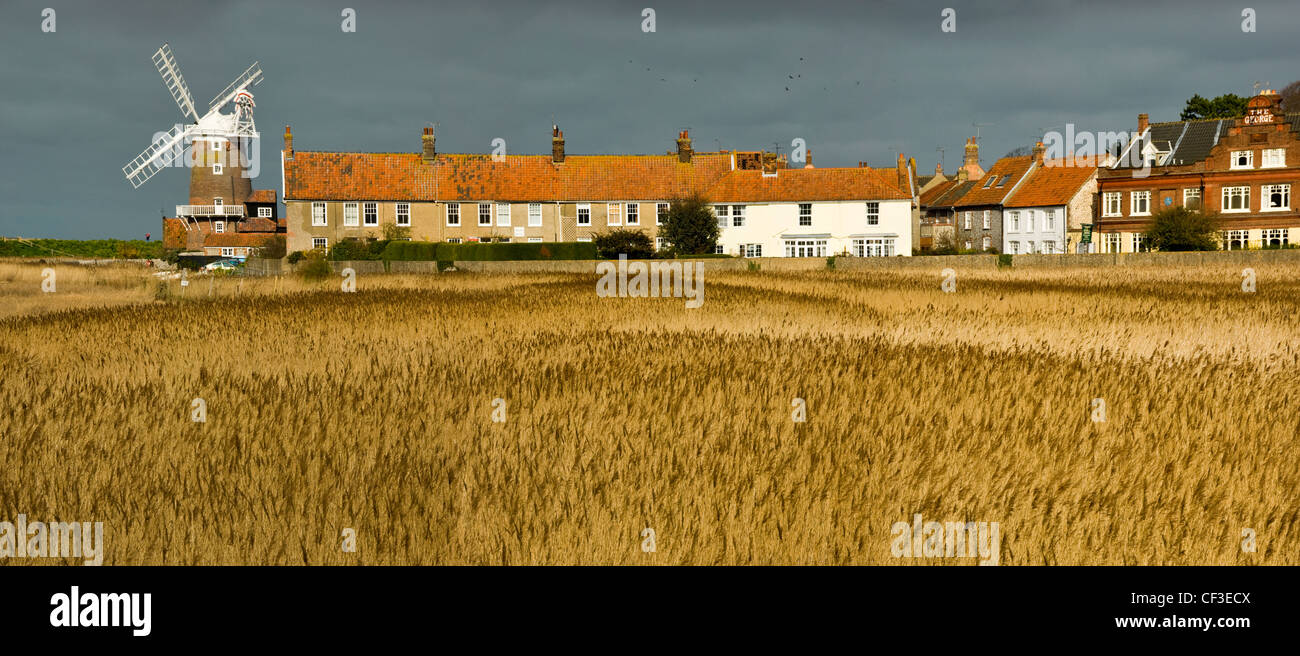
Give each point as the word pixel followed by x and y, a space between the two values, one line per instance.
pixel 1014 217
pixel 805 218
pixel 1192 192
pixel 738 216
pixel 1248 155
pixel 453 212
pixel 263 212
pixel 534 240
pixel 1265 197
pixel 1014 247
pixel 873 213
pixel 1049 220
pixel 219 227
pixel 584 238
pixel 1273 158
pixel 584 209
pixel 722 213
pixel 1112 203
pixel 986 243
pixel 534 215
pixel 1242 192
pixel 320 242
pixel 661 210
pixel 632 213
pixel 614 214
pixel 1136 240
pixel 1133 203
pixel 402 214
pixel 321 217
pixel 453 240
pixel 988 225
pixel 485 214
pixel 370 214
pixel 751 250
pixel 966 225
pixel 503 215
pixel 351 215
pixel 227 251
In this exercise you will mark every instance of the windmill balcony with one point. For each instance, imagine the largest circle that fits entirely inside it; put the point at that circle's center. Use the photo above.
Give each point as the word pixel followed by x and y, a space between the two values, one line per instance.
pixel 209 210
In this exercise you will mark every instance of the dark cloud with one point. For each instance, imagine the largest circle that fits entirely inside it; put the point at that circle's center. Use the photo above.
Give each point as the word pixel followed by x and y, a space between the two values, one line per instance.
pixel 874 79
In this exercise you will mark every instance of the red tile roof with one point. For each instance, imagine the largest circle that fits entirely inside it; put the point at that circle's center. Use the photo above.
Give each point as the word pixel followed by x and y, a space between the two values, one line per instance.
pixel 1054 183
pixel 1015 167
pixel 791 185
pixel 262 196
pixel 470 177
pixel 235 239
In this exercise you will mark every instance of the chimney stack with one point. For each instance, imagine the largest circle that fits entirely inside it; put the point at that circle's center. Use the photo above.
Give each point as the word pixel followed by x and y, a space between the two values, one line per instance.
pixel 288 143
pixel 972 152
pixel 557 145
pixel 769 163
pixel 1039 149
pixel 429 151
pixel 684 147
pixel 1143 122
pixel 938 169
pixel 862 164
pixel 808 159
pixel 902 171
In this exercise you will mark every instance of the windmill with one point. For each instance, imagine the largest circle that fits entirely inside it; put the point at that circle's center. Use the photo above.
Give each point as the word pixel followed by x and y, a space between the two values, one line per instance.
pixel 214 127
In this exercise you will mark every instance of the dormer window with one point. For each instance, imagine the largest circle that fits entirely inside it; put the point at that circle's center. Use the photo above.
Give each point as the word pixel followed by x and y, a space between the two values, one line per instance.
pixel 990 181
pixel 1243 159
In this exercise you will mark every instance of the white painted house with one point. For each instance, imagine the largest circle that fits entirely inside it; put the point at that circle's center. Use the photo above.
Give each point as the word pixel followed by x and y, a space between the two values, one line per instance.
pixel 1047 211
pixel 812 212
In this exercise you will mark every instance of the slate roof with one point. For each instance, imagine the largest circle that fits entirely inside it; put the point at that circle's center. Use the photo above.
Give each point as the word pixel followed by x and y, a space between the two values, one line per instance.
pixel 1189 142
pixel 947 194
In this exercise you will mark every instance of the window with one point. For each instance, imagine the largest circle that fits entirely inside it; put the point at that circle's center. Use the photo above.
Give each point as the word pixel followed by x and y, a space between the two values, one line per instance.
pixel 1236 199
pixel 587 238
pixel 350 214
pixel 318 214
pixel 503 214
pixel 1049 247
pixel 485 214
pixel 218 203
pixel 1014 247
pixel 371 214
pixel 1004 180
pixel 584 215
pixel 805 248
pixel 1015 221
pixel 403 214
pixel 1275 237
pixel 738 215
pixel 453 240
pixel 613 214
pixel 989 183
pixel 1192 198
pixel 1274 158
pixel 805 214
pixel 661 213
pixel 1138 243
pixel 1242 159
pixel 1030 249
pixel 632 211
pixel 987 242
pixel 218 226
pixel 534 240
pixel 453 214
pixel 319 242
pixel 1276 197
pixel 987 225
pixel 873 213
pixel 875 247
pixel 659 243
pixel 1049 220
pixel 967 245
pixel 1139 203
pixel 264 212
pixel 227 252
pixel 1112 242
pixel 217 168
pixel 751 250
pixel 534 214
pixel 1235 240
pixel 720 211
pixel 966 224
pixel 1110 205
pixel 216 145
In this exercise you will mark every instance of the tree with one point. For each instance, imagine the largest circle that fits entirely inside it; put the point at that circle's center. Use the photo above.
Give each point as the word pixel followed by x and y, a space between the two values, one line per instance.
pixel 1229 105
pixel 690 226
pixel 394 232
pixel 272 248
pixel 636 245
pixel 1181 229
pixel 1291 97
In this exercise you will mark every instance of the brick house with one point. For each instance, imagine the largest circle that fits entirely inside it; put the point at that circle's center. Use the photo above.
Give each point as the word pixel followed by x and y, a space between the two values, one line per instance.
pixel 225 215
pixel 978 212
pixel 458 197
pixel 1243 169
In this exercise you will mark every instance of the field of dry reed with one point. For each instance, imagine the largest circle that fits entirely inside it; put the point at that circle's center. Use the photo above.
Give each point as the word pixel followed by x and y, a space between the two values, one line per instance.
pixel 374 411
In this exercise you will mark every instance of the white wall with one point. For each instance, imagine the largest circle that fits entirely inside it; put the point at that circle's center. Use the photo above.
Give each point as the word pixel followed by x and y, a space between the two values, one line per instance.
pixel 837 222
pixel 1033 228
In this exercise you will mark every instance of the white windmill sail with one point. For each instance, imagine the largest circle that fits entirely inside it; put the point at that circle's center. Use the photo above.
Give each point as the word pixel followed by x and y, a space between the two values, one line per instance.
pixel 250 77
pixel 158 156
pixel 175 83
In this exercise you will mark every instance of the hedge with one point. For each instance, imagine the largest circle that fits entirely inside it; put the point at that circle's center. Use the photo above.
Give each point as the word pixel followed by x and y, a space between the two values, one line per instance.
pixel 477 252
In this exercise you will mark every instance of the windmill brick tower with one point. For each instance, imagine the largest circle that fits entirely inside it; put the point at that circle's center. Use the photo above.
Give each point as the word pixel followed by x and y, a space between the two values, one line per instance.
pixel 225 216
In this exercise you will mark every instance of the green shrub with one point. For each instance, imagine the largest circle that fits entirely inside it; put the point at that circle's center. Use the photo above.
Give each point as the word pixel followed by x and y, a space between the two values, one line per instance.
pixel 355 249
pixel 315 266
pixel 296 257
pixel 272 248
pixel 636 245
pixel 1004 260
pixel 830 264
pixel 690 226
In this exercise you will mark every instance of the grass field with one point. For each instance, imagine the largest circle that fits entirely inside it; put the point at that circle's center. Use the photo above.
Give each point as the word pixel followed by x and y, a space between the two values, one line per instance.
pixel 374 411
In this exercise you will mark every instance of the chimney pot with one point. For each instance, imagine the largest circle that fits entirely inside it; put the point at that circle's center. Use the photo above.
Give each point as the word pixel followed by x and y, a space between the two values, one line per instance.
pixel 1143 122
pixel 684 150
pixel 1038 152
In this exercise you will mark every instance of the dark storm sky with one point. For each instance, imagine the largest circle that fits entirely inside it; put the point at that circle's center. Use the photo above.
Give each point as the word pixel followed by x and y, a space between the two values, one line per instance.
pixel 876 79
